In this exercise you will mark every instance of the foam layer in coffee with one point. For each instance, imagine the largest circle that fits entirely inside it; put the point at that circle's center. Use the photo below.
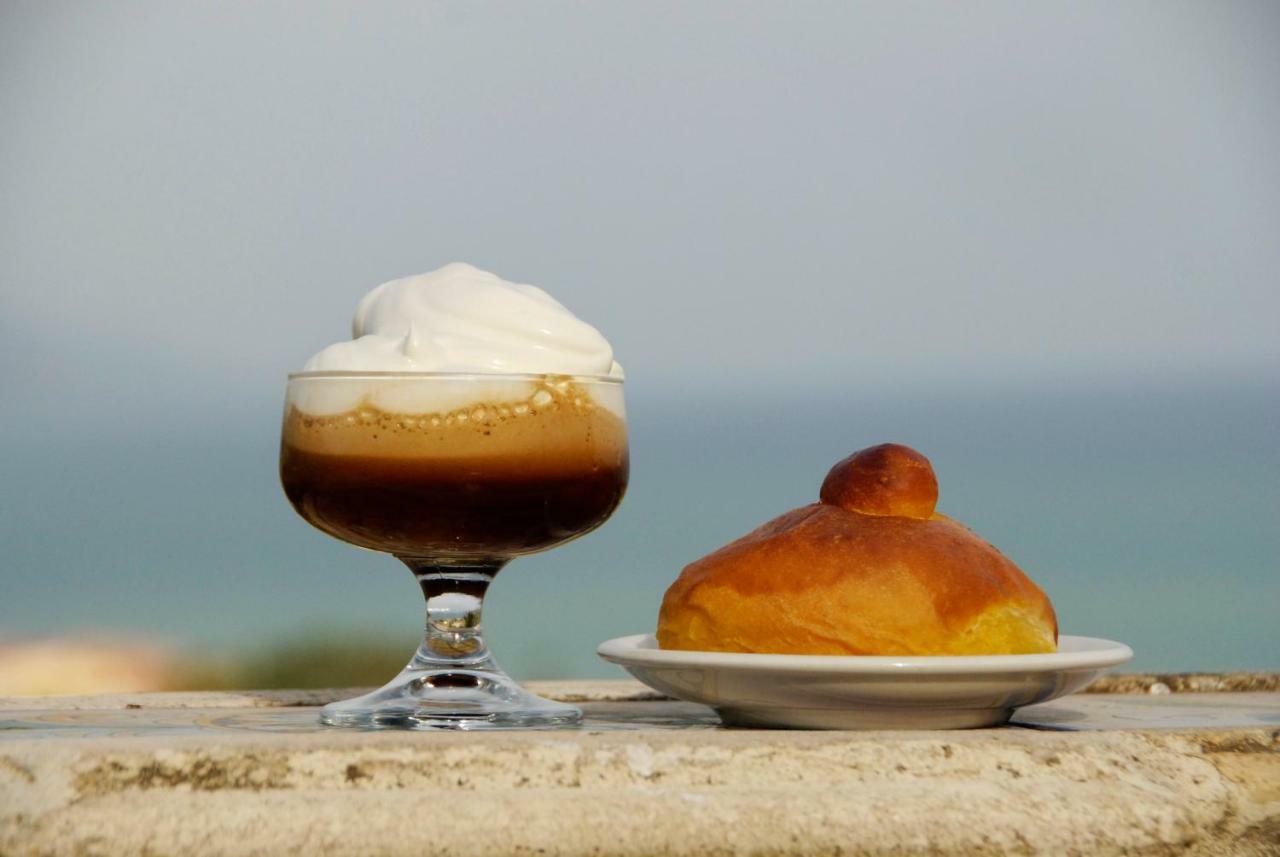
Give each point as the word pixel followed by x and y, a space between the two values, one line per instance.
pixel 338 395
pixel 557 422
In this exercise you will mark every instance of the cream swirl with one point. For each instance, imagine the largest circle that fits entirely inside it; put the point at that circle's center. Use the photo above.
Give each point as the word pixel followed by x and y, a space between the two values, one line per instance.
pixel 457 319
pixel 462 319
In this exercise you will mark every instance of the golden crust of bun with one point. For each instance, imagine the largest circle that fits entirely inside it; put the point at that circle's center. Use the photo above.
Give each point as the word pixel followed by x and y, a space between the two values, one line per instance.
pixel 870 570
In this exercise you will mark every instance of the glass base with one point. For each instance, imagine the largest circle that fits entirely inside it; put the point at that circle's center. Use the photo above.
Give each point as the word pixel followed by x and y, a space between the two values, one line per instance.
pixel 464 699
pixel 452 681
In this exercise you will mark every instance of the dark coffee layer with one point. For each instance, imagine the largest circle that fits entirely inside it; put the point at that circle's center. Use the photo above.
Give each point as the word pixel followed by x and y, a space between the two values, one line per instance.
pixel 434 507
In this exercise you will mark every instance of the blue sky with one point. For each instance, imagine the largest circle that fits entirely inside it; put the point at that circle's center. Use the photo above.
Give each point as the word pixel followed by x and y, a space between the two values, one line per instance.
pixel 744 195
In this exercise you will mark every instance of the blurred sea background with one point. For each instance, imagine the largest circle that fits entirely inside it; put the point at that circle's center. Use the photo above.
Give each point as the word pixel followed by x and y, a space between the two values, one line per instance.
pixel 1038 243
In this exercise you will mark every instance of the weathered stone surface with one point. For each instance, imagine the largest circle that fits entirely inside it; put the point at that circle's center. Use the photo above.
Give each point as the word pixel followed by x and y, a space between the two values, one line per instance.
pixel 582 691
pixel 1185 683
pixel 568 691
pixel 263 780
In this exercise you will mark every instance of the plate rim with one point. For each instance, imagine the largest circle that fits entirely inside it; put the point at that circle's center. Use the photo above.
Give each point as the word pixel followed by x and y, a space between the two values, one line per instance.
pixel 629 651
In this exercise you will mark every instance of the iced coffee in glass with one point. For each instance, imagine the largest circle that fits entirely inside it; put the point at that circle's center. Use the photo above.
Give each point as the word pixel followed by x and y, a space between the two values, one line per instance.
pixel 425 446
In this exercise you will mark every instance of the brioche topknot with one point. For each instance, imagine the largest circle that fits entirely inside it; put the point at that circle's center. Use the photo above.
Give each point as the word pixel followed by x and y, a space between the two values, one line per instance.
pixel 872 569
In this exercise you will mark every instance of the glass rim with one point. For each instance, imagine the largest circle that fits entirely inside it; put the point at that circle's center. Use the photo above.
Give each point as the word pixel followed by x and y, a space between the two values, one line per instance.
pixel 538 377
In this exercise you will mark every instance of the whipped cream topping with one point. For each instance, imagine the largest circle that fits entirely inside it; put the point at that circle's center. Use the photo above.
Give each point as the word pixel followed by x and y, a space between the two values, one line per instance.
pixel 456 319
pixel 462 319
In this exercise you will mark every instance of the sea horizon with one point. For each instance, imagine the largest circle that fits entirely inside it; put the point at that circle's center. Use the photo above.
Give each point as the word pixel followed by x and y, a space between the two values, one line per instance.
pixel 1148 515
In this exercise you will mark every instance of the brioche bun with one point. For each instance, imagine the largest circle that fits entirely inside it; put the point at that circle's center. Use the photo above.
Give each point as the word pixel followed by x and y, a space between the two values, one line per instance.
pixel 872 569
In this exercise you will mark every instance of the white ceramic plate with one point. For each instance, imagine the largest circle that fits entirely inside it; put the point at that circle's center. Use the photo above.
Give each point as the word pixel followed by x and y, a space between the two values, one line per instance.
pixel 865 692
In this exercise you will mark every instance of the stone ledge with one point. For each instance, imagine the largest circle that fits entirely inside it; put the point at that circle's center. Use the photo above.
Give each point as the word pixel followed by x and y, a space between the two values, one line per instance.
pixel 1186 683
pixel 567 691
pixel 617 690
pixel 656 793
pixel 231 779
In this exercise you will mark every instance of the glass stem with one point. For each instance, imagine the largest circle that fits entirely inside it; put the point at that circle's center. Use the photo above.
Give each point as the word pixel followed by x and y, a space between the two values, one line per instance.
pixel 454 592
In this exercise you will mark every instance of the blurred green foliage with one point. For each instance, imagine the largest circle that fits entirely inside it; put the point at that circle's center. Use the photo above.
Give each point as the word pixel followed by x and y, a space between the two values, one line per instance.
pixel 311 660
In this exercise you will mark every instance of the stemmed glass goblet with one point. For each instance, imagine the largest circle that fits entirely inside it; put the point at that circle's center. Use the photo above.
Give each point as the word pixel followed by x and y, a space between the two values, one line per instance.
pixel 455 475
